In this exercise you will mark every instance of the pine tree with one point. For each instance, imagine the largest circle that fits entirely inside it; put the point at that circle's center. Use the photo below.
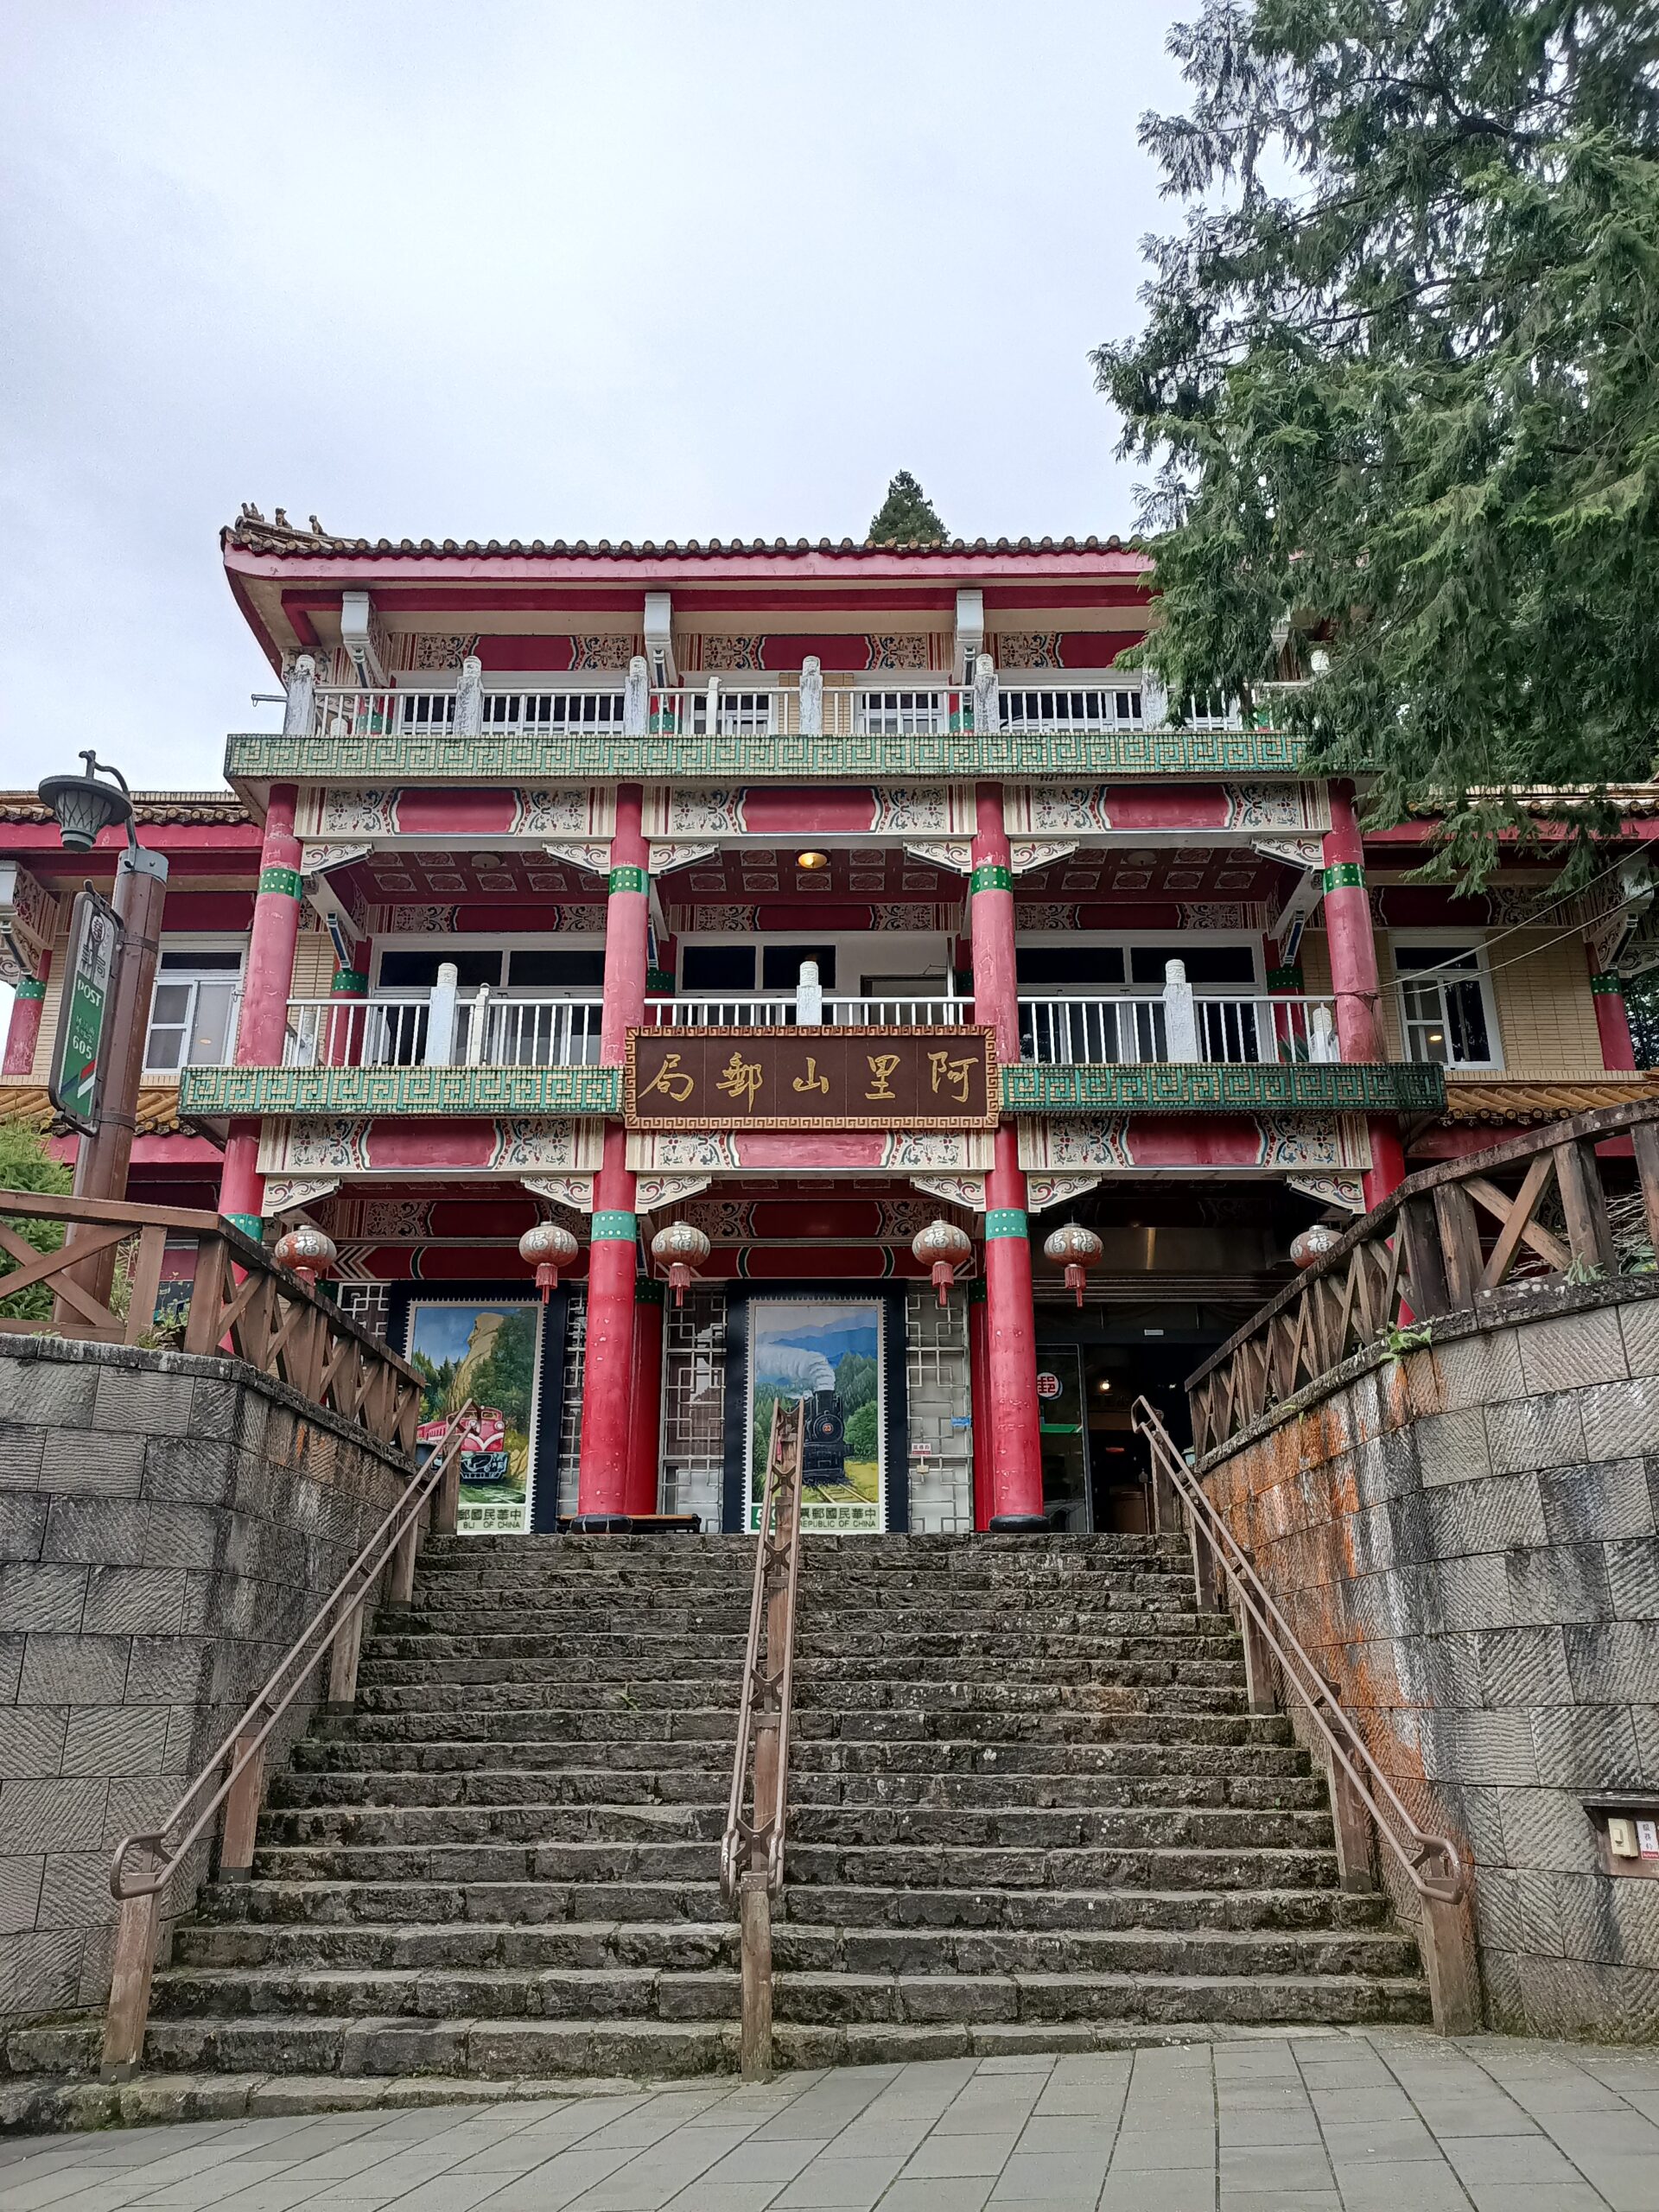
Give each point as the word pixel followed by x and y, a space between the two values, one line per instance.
pixel 907 516
pixel 1396 380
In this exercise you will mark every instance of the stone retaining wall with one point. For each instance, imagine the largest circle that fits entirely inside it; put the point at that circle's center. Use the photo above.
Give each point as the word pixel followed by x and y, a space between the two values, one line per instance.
pixel 1464 1538
pixel 168 1525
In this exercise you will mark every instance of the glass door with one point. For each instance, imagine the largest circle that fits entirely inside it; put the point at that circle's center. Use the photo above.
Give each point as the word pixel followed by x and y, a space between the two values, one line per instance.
pixel 1063 1429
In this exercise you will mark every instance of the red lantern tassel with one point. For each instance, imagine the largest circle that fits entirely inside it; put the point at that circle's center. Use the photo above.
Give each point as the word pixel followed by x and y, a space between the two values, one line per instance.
pixel 945 1275
pixel 679 1277
pixel 1076 1276
pixel 547 1278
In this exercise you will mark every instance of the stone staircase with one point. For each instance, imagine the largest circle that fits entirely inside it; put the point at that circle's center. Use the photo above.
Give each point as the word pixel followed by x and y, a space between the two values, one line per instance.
pixel 1028 1811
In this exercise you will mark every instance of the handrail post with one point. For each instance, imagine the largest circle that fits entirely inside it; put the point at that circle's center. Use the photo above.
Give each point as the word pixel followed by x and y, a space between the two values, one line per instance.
pixel 1446 1939
pixel 754 1924
pixel 1351 1819
pixel 135 1964
pixel 242 1806
pixel 1261 1686
pixel 400 1578
pixel 446 1504
pixel 342 1661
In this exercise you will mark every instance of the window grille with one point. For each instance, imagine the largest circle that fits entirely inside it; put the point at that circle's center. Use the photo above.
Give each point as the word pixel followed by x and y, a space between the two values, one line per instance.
pixel 553 710
pixel 575 1346
pixel 900 714
pixel 694 1406
pixel 1102 708
pixel 368 1304
pixel 939 1394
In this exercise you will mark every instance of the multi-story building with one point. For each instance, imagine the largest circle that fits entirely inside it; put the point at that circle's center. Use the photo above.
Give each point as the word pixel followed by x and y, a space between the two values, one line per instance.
pixel 806 895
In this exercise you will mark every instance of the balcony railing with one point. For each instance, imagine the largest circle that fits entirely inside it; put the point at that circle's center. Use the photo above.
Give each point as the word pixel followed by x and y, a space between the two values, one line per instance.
pixel 795 1010
pixel 1076 1031
pixel 432 1029
pixel 734 706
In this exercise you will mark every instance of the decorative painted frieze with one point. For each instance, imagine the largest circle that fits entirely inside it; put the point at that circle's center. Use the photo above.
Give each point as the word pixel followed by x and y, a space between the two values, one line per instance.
pixel 29 922
pixel 666 856
pixel 738 812
pixel 1222 1088
pixel 652 1192
pixel 1044 1190
pixel 347 1145
pixel 1044 808
pixel 1259 1144
pixel 395 1091
pixel 512 757
pixel 286 1194
pixel 592 855
pixel 1345 1191
pixel 575 1191
pixel 966 1191
pixel 826 1152
pixel 383 811
pixel 1295 807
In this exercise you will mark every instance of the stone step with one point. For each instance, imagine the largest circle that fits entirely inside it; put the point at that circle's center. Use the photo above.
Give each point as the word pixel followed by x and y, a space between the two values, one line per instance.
pixel 798 1947
pixel 579 1726
pixel 1132 1867
pixel 368 1789
pixel 1121 1635
pixel 449 1825
pixel 1126 1661
pixel 988 1907
pixel 418 1900
pixel 1188 1691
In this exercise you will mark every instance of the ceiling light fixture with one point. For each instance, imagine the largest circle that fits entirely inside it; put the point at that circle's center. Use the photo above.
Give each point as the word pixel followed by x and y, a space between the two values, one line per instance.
pixel 811 860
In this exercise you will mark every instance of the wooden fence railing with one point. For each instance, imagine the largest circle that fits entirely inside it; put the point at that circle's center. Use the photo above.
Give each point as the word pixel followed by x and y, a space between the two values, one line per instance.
pixel 237 1302
pixel 1547 1206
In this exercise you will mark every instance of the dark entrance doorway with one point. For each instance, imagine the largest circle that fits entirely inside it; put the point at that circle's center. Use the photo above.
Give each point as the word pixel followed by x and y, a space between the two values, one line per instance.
pixel 1091 1367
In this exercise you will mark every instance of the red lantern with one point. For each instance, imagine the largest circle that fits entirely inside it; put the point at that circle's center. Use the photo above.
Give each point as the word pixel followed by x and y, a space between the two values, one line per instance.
pixel 947 1248
pixel 307 1253
pixel 682 1248
pixel 1313 1244
pixel 547 1248
pixel 1076 1249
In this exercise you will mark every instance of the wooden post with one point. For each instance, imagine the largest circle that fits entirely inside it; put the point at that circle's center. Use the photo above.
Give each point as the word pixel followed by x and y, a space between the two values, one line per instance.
pixel 242 1812
pixel 342 1665
pixel 1446 1939
pixel 446 1503
pixel 1585 1206
pixel 135 1963
pixel 1261 1686
pixel 1351 1817
pixel 400 1582
pixel 754 1926
pixel 1645 1142
pixel 201 1329
pixel 1203 1565
pixel 1454 1218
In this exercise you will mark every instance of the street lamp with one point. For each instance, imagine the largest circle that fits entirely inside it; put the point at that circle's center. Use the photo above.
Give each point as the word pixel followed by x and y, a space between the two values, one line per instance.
pixel 84 805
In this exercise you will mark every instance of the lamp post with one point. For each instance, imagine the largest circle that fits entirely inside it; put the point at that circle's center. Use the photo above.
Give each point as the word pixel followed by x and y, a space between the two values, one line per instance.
pixel 84 805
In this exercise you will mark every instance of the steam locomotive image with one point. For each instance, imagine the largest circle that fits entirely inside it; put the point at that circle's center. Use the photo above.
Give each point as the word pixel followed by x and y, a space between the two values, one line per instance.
pixel 824 1460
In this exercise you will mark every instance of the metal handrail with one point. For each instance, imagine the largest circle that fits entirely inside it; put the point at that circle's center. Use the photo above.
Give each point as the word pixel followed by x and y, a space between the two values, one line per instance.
pixel 757 1845
pixel 241 1753
pixel 1414 1846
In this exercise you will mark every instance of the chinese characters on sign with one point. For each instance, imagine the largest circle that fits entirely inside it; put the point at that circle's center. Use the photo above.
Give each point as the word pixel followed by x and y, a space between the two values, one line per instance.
pixel 811 1078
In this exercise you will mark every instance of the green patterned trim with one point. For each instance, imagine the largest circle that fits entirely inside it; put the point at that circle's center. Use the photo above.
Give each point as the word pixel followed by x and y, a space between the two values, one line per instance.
pixel 250 1225
pixel 29 986
pixel 992 877
pixel 534 1092
pixel 349 983
pixel 1298 1087
pixel 286 880
pixel 1609 985
pixel 1347 875
pixel 614 1226
pixel 1005 1221
pixel 627 879
pixel 528 756
pixel 647 1291
pixel 660 981
pixel 1286 979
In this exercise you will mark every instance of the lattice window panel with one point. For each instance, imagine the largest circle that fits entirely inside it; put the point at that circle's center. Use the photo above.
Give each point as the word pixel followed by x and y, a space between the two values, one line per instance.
pixel 575 1348
pixel 936 1381
pixel 694 1406
pixel 368 1304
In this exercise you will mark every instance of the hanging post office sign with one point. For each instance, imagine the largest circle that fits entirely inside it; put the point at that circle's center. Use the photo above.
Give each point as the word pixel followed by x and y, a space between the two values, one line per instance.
pixel 75 1085
pixel 816 1078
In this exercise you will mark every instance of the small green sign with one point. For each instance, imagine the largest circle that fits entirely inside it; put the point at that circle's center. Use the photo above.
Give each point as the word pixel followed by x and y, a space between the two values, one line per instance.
pixel 76 1086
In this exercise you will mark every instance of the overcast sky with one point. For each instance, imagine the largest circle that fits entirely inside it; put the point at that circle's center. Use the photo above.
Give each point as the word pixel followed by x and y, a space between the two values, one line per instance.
pixel 518 267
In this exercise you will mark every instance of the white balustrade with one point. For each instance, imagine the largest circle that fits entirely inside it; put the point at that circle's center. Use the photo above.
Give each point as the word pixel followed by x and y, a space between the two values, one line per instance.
pixel 833 1012
pixel 1177 1025
pixel 434 1030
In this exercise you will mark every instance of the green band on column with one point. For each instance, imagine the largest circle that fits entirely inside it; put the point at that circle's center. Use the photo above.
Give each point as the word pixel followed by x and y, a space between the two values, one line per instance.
pixel 1609 985
pixel 30 987
pixel 627 879
pixel 285 879
pixel 1285 979
pixel 1347 875
pixel 647 1291
pixel 250 1225
pixel 660 980
pixel 1005 1221
pixel 611 1225
pixel 992 877
pixel 349 983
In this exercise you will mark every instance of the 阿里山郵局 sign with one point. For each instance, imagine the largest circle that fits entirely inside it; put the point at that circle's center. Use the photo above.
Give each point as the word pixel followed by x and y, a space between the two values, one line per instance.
pixel 75 1085
pixel 839 1078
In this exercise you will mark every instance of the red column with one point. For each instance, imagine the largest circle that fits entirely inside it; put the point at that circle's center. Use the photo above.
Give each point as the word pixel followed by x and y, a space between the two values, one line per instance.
pixel 265 986
pixel 602 1481
pixel 28 998
pixel 980 1403
pixel 1354 978
pixel 1613 1020
pixel 1012 1443
pixel 645 1396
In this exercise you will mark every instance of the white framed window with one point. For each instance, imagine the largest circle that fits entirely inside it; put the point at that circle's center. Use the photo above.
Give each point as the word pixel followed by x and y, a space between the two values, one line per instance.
pixel 899 713
pixel 1447 1013
pixel 192 1009
pixel 1042 704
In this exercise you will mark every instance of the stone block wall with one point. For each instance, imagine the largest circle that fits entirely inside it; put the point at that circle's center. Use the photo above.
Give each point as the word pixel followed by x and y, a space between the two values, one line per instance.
pixel 168 1525
pixel 1464 1541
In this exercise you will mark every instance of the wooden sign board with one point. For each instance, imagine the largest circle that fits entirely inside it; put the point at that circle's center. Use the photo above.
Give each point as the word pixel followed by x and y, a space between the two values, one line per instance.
pixel 839 1078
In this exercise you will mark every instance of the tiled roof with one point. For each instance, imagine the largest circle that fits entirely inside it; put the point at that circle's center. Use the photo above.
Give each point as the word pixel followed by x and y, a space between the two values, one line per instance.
pixel 255 535
pixel 1533 1099
pixel 158 807
pixel 25 1101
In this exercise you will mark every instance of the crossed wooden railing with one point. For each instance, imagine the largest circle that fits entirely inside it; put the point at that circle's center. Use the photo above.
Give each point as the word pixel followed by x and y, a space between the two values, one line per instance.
pixel 240 1303
pixel 1363 1802
pixel 752 1849
pixel 233 1779
pixel 1448 1240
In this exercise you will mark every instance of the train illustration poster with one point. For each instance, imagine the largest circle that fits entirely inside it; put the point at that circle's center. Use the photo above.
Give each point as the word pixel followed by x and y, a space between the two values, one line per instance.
pixel 828 1352
pixel 486 1351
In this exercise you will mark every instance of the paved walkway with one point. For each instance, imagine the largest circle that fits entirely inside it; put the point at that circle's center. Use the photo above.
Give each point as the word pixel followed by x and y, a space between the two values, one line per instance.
pixel 1348 2120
